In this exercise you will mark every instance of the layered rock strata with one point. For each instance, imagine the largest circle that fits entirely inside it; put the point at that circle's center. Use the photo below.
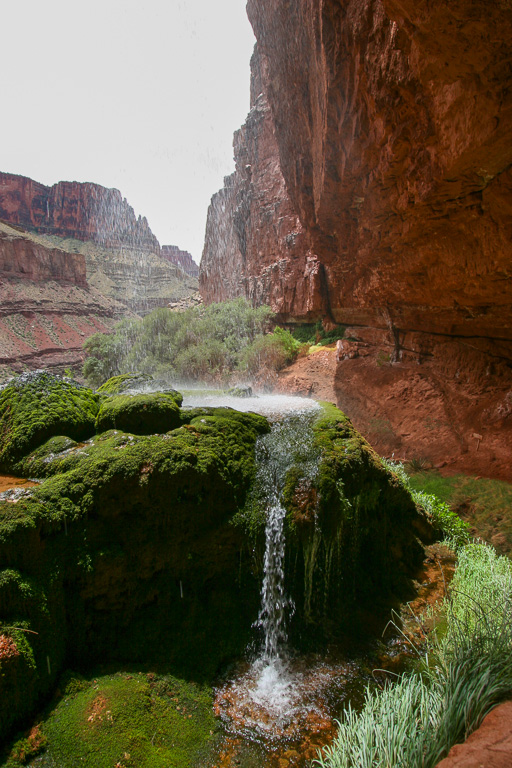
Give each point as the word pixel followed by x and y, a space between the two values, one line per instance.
pixel 47 309
pixel 83 211
pixel 181 259
pixel 123 257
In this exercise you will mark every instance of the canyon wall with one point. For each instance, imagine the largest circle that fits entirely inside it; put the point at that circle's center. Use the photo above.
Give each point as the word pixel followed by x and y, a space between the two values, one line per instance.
pixel 82 211
pixel 181 259
pixel 374 168
pixel 22 258
pixel 123 259
pixel 373 189
pixel 47 308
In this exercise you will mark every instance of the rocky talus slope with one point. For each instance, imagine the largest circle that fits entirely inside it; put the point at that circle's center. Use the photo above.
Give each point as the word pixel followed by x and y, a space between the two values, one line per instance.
pixel 372 189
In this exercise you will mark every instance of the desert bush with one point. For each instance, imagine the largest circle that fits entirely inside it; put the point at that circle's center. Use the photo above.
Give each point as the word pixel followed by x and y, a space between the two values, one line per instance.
pixel 201 344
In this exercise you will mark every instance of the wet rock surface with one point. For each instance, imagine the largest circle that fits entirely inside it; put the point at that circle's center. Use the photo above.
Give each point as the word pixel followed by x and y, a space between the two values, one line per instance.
pixel 446 403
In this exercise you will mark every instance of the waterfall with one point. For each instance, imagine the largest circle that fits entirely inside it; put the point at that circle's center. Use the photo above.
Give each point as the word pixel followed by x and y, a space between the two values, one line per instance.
pixel 274 602
pixel 289 443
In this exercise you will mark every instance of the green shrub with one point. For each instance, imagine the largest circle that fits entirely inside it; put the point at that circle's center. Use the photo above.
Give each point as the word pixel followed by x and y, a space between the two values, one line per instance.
pixel 269 353
pixel 202 343
pixel 316 334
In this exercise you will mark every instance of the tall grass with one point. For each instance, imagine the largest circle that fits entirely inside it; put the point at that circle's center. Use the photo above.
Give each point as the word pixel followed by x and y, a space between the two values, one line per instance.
pixel 415 722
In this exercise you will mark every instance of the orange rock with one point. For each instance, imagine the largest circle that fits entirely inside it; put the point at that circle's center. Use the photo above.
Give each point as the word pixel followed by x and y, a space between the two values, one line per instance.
pixel 488 747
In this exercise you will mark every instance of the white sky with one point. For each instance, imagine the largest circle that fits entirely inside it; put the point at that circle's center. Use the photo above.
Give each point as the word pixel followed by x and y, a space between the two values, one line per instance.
pixel 141 95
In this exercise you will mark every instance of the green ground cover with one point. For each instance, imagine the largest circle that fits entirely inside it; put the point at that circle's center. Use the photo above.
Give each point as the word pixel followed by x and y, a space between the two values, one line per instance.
pixel 485 504
pixel 127 718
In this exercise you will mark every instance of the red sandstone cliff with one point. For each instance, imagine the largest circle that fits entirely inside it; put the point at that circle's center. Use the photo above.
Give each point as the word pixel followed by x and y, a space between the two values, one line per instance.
pixel 181 259
pixel 47 309
pixel 82 211
pixel 122 256
pixel 22 258
pixel 373 188
pixel 390 124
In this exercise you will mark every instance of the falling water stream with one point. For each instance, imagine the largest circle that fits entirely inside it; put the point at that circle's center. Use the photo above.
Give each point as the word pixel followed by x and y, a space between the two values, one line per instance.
pixel 278 708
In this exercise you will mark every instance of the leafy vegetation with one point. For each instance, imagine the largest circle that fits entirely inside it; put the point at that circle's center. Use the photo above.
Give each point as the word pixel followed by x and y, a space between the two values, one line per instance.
pixel 485 504
pixel 315 333
pixel 415 722
pixel 217 343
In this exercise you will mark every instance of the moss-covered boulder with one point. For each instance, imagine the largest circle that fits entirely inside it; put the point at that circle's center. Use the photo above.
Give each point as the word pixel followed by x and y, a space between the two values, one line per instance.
pixel 352 529
pixel 127 552
pixel 139 414
pixel 145 541
pixel 125 382
pixel 136 383
pixel 38 405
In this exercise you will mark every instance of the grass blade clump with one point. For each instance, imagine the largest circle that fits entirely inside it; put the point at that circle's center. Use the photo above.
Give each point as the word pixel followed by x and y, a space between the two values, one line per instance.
pixel 394 728
pixel 415 722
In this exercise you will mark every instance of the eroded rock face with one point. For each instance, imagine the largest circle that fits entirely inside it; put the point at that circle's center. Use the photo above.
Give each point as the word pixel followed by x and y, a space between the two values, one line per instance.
pixel 489 746
pixel 23 258
pixel 181 259
pixel 83 211
pixel 255 244
pixel 390 153
pixel 123 258
pixel 373 188
pixel 47 307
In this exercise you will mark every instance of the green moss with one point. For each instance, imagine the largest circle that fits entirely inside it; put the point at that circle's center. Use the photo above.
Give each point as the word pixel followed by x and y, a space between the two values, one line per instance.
pixel 132 383
pixel 36 406
pixel 126 551
pixel 139 414
pixel 352 530
pixel 130 719
pixel 118 385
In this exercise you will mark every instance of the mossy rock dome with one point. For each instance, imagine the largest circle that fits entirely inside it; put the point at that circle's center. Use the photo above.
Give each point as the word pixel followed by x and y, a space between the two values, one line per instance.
pixel 139 414
pixel 135 383
pixel 38 405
